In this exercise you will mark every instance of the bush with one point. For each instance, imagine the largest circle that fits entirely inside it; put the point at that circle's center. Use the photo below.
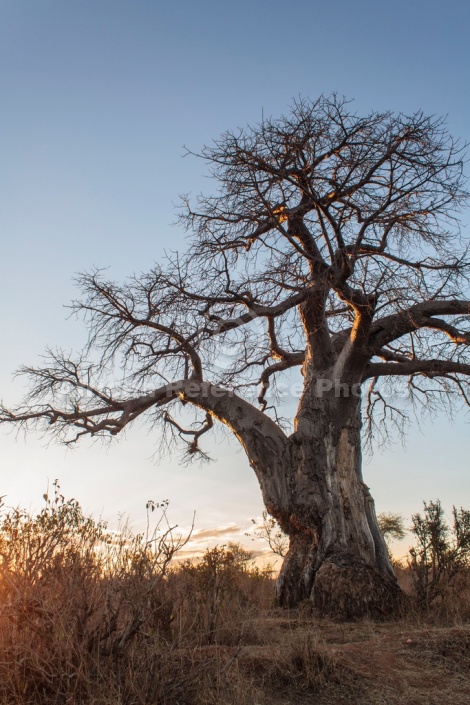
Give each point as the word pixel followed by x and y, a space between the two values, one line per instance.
pixel 440 560
pixel 93 616
pixel 219 595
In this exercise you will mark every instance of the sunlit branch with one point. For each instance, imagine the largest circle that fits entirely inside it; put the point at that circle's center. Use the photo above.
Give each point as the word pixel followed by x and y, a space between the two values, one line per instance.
pixel 389 328
pixel 430 368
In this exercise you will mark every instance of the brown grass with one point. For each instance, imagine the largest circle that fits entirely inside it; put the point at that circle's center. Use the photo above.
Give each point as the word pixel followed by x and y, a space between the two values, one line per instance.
pixel 90 617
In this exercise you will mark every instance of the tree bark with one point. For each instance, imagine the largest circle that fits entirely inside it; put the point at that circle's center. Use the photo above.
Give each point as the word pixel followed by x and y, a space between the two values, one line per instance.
pixel 337 556
pixel 312 484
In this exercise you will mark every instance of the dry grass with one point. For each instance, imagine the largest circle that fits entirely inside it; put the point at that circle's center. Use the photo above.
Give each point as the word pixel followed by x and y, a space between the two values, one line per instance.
pixel 89 617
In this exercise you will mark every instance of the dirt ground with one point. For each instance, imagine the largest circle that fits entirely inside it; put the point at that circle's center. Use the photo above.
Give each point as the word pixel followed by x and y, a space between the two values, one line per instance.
pixel 303 661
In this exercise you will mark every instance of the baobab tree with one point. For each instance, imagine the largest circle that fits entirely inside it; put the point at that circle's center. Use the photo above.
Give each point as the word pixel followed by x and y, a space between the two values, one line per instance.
pixel 330 244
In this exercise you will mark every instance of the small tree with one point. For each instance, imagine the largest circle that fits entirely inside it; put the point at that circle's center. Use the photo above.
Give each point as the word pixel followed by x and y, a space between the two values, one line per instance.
pixel 392 526
pixel 331 245
pixel 441 553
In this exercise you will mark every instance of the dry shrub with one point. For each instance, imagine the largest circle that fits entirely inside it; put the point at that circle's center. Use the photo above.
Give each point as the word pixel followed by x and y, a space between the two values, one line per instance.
pixel 451 606
pixel 90 616
pixel 218 597
pixel 436 576
pixel 441 554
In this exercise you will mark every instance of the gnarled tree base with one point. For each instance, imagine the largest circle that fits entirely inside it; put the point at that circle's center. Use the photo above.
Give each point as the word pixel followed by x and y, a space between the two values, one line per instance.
pixel 354 590
pixel 343 587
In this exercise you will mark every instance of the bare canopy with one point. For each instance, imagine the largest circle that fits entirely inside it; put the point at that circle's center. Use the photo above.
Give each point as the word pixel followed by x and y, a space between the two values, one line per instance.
pixel 330 243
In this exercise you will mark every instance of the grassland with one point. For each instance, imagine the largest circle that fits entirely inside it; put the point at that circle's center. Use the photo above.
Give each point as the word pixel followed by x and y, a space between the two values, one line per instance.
pixel 92 617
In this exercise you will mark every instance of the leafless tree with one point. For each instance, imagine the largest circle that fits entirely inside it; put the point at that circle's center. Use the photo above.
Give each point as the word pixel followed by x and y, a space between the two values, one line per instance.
pixel 330 244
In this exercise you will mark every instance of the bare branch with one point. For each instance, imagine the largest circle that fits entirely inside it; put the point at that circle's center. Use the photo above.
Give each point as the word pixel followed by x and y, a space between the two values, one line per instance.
pixel 429 368
pixel 332 241
pixel 390 328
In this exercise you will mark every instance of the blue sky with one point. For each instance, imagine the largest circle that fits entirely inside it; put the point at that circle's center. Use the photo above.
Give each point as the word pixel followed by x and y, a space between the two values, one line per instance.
pixel 98 99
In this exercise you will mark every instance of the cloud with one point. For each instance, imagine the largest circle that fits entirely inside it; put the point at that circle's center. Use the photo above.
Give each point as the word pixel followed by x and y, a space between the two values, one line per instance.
pixel 203 539
pixel 189 552
pixel 216 533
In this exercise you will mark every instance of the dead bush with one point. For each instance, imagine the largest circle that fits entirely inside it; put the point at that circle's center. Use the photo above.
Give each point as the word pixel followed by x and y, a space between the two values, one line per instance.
pixel 93 616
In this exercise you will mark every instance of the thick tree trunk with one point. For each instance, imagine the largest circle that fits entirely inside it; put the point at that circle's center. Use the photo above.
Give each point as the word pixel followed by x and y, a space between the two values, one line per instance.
pixel 312 484
pixel 337 556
